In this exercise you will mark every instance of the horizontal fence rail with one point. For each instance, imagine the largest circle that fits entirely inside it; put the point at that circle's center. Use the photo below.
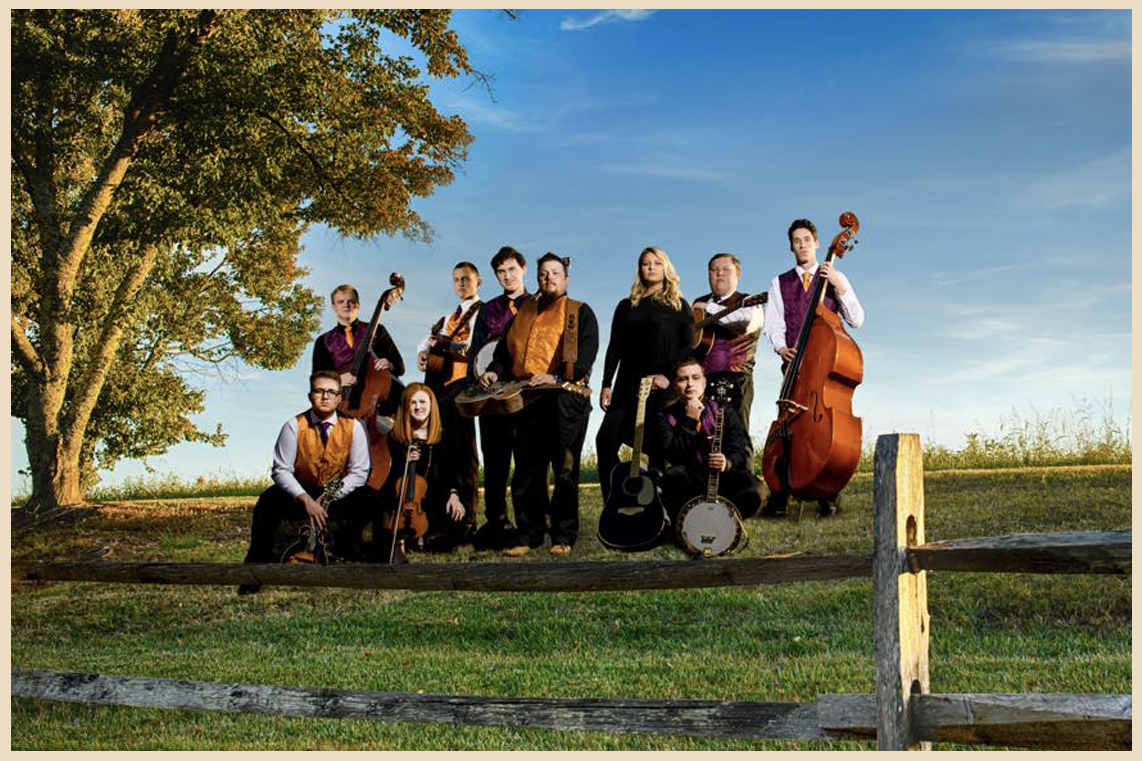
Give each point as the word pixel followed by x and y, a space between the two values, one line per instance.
pixel 590 576
pixel 1103 552
pixel 1062 721
pixel 706 718
pixel 1066 552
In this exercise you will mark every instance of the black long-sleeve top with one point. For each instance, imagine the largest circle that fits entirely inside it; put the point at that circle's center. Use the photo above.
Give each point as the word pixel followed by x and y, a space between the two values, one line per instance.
pixel 383 348
pixel 588 350
pixel 649 339
pixel 438 469
pixel 687 442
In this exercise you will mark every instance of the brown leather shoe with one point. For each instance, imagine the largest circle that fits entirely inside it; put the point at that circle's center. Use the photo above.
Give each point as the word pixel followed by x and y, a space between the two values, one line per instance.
pixel 516 552
pixel 560 549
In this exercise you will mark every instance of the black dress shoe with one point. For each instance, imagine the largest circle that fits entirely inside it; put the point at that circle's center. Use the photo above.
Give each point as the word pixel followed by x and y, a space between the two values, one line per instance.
pixel 827 509
pixel 775 506
pixel 249 589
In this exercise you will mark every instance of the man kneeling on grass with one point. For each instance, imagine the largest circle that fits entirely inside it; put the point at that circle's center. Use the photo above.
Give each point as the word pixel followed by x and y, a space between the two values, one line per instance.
pixel 314 448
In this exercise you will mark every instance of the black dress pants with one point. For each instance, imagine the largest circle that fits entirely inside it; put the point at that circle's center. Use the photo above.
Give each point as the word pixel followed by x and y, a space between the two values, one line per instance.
pixel 550 435
pixel 347 518
pixel 460 438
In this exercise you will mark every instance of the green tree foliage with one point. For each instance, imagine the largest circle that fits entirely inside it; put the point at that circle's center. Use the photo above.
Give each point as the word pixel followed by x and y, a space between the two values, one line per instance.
pixel 164 167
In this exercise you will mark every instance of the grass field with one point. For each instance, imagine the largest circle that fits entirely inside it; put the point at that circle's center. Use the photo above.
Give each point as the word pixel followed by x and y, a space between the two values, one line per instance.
pixel 990 633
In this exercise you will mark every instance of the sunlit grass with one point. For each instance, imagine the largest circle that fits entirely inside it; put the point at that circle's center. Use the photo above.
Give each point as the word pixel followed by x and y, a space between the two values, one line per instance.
pixel 989 632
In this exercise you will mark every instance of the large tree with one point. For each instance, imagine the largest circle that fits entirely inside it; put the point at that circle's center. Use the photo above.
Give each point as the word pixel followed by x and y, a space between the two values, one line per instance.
pixel 164 166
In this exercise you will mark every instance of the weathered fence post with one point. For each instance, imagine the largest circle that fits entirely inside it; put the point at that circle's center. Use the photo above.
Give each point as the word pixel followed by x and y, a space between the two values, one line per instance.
pixel 900 595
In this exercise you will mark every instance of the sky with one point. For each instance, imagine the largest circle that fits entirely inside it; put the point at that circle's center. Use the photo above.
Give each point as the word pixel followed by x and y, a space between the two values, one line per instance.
pixel 987 155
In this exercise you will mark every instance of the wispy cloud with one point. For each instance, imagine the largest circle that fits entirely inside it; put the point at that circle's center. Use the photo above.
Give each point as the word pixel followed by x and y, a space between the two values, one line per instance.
pixel 666 171
pixel 1092 185
pixel 572 24
pixel 1063 52
pixel 480 112
pixel 944 279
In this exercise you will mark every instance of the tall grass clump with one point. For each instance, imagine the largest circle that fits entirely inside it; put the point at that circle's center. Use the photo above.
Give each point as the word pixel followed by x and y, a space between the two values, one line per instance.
pixel 170 486
pixel 1085 435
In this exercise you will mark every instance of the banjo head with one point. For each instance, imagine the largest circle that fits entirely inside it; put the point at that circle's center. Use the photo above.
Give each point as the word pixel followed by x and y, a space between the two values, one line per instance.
pixel 709 528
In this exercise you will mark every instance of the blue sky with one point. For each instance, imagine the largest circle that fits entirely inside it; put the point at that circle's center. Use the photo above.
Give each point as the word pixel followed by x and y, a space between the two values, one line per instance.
pixel 987 155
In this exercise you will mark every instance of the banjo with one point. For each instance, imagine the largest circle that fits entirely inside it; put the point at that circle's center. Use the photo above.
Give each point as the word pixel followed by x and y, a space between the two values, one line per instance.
pixel 710 525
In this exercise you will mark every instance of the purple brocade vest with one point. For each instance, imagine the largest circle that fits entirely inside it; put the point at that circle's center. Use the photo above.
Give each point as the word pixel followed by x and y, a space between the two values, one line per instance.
pixel 795 299
pixel 339 349
pixel 498 314
pixel 724 355
pixel 708 422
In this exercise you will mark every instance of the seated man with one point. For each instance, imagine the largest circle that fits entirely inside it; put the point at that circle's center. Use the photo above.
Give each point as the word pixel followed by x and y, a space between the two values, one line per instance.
pixel 684 431
pixel 314 448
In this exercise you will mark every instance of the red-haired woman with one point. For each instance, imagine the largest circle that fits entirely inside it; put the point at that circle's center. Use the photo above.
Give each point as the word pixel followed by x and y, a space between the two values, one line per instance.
pixel 416 440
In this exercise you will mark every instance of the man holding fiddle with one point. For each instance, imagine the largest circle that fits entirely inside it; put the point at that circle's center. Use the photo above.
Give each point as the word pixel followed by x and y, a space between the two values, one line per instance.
pixel 552 339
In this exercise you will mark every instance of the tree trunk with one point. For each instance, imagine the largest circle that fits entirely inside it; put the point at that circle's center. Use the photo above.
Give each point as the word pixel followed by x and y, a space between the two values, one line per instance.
pixel 55 466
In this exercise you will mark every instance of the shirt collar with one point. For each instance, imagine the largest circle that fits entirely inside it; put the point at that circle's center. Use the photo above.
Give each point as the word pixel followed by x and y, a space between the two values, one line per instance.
pixel 332 419
pixel 801 270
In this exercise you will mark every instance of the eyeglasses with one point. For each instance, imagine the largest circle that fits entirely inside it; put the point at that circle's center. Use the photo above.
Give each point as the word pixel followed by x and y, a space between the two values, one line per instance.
pixel 325 392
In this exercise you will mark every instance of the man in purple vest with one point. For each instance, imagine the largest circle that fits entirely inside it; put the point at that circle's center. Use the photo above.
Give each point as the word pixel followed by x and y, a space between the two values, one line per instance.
pixel 336 348
pixel 785 313
pixel 497 432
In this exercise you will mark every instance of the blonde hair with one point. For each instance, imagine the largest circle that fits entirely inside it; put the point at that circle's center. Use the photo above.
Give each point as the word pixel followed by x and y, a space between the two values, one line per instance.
pixel 671 291
pixel 403 427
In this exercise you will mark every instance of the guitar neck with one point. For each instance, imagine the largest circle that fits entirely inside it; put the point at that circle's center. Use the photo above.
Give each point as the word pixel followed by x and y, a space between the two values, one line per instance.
pixel 715 447
pixel 639 427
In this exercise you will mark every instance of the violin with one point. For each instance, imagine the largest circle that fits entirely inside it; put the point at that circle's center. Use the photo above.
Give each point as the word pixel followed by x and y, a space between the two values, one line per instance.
pixel 372 386
pixel 813 446
pixel 410 521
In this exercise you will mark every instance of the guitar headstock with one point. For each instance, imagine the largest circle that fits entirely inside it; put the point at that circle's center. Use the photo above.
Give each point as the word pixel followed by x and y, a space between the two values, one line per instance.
pixel 644 387
pixel 846 238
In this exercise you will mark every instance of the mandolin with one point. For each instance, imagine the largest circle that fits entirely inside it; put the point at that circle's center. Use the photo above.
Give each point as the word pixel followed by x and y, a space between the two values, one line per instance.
pixel 311 544
pixel 634 517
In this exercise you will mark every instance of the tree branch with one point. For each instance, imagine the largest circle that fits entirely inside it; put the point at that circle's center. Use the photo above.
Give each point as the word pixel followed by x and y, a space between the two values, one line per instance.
pixel 89 387
pixel 320 170
pixel 25 352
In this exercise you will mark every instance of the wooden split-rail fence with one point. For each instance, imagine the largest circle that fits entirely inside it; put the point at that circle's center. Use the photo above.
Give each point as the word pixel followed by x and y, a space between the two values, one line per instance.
pixel 902 714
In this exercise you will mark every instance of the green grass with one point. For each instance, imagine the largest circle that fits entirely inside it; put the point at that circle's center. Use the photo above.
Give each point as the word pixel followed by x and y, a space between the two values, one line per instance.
pixel 990 632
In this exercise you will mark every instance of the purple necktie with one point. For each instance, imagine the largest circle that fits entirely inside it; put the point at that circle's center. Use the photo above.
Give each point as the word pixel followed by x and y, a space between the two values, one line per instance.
pixel 325 426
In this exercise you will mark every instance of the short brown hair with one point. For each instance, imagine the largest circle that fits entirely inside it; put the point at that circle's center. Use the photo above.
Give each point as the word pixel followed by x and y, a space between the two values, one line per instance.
pixel 505 253
pixel 467 266
pixel 724 255
pixel 345 288
pixel 551 256
pixel 328 375
pixel 799 224
pixel 688 361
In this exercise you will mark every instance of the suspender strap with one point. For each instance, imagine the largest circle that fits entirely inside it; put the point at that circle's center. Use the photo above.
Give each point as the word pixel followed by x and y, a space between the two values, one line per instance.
pixel 475 308
pixel 571 339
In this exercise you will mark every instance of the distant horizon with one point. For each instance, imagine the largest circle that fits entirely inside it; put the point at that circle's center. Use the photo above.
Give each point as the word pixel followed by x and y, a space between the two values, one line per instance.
pixel 986 153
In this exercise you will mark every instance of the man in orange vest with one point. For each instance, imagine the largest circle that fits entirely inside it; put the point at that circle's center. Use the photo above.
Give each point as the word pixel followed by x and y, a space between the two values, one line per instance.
pixel 313 449
pixel 552 339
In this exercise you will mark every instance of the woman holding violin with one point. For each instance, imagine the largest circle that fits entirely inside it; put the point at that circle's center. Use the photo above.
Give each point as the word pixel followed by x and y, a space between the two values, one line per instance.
pixel 650 333
pixel 423 496
pixel 790 299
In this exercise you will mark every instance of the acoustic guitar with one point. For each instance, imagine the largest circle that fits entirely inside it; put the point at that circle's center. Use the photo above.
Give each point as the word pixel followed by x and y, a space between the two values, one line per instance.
pixel 704 323
pixel 634 517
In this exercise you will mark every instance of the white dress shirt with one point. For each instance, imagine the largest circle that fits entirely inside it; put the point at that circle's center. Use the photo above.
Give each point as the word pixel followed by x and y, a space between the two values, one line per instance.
pixel 850 309
pixel 464 307
pixel 285 455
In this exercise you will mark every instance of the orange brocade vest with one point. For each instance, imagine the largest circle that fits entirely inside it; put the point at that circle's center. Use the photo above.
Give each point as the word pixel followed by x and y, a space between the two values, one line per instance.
pixel 535 338
pixel 457 327
pixel 317 464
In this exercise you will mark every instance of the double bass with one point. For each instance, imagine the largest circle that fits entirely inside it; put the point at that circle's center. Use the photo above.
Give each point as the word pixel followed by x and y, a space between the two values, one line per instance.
pixel 813 446
pixel 372 385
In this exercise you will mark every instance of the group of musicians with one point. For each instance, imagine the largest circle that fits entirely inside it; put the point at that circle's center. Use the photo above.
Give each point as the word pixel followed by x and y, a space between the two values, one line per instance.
pixel 550 341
